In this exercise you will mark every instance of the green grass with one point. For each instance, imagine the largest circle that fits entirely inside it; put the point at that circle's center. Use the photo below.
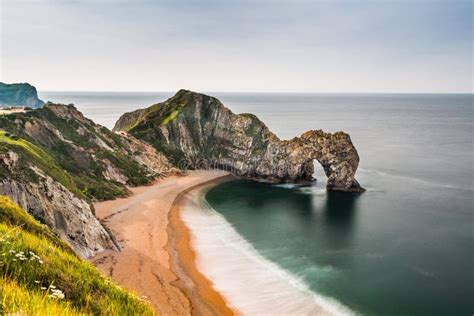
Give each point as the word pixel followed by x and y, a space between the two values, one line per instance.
pixel 136 174
pixel 98 189
pixel 42 159
pixel 39 275
pixel 85 182
pixel 12 215
pixel 170 117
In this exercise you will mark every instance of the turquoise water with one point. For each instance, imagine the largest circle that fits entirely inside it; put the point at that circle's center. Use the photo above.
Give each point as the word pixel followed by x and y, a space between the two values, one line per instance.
pixel 405 247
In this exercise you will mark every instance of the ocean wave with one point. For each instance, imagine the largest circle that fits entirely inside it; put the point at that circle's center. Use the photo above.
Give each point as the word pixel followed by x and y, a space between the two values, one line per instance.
pixel 286 186
pixel 251 283
pixel 416 180
pixel 313 190
pixel 319 191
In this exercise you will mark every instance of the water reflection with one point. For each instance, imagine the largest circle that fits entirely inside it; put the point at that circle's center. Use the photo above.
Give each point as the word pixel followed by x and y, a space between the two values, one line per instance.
pixel 336 226
pixel 340 208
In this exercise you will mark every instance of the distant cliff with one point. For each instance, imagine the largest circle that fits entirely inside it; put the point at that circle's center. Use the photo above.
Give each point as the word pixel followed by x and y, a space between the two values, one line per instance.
pixel 54 162
pixel 197 130
pixel 19 94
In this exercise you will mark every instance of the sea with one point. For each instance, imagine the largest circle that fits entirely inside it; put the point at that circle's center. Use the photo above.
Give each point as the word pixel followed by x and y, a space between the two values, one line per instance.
pixel 404 247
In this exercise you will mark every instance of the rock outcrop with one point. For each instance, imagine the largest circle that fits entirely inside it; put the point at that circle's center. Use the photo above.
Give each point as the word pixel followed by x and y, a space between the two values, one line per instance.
pixel 196 130
pixel 19 94
pixel 54 162
pixel 53 204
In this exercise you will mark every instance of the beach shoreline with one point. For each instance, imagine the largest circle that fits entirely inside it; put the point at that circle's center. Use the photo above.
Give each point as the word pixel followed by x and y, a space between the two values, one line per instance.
pixel 197 288
pixel 157 260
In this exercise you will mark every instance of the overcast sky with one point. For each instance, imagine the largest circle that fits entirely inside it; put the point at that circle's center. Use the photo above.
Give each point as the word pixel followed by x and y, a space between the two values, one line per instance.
pixel 310 46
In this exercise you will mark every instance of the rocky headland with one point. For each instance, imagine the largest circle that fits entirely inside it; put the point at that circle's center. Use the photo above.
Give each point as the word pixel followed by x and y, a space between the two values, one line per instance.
pixel 197 131
pixel 19 95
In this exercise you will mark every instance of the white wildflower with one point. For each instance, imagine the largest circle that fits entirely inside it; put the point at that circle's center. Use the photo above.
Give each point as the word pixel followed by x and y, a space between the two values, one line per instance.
pixel 56 294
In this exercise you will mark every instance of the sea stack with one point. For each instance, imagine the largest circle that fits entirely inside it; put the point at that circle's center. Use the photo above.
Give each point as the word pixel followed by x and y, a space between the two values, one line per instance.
pixel 198 131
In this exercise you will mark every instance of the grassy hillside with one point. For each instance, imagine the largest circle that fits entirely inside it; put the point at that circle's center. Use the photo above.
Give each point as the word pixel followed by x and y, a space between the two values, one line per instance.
pixel 40 275
pixel 72 150
pixel 38 157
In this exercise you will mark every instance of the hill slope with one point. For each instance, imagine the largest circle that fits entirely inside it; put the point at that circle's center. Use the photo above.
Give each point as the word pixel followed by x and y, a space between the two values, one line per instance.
pixel 41 275
pixel 54 162
pixel 197 130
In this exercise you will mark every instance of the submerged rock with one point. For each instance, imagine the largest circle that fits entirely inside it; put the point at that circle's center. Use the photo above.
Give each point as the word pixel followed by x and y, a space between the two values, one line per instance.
pixel 198 131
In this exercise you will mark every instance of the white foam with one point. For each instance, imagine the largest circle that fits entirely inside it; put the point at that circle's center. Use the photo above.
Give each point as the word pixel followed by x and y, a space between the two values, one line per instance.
pixel 287 185
pixel 252 284
pixel 417 180
pixel 313 190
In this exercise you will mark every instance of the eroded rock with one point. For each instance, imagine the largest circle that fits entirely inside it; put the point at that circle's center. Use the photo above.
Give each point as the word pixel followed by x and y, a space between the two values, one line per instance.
pixel 196 130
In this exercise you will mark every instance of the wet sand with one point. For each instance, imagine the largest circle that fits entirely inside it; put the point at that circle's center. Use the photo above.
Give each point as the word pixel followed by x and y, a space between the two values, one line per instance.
pixel 157 260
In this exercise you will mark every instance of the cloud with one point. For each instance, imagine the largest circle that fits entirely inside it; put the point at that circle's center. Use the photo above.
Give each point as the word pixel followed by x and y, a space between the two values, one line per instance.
pixel 239 45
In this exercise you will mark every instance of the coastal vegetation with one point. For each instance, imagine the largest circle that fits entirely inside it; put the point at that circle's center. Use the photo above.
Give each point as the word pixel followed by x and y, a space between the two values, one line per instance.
pixel 56 163
pixel 74 153
pixel 31 153
pixel 41 275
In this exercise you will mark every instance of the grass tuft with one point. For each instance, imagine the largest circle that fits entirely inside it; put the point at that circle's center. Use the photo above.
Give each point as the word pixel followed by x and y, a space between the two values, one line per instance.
pixel 39 274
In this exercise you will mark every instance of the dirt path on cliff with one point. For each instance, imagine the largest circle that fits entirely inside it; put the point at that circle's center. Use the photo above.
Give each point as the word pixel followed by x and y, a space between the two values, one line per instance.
pixel 140 224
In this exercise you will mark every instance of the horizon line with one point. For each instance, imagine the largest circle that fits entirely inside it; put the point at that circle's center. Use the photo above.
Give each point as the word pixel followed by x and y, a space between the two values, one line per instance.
pixel 263 92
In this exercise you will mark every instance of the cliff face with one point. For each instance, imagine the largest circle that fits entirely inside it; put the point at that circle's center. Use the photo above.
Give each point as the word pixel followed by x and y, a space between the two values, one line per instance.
pixel 196 130
pixel 19 94
pixel 54 162
pixel 71 218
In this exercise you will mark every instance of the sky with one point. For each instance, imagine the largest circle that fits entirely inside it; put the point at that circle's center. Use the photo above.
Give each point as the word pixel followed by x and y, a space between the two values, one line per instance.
pixel 267 46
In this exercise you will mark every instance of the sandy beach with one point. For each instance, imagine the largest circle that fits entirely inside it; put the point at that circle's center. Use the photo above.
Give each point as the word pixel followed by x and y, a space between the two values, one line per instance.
pixel 12 111
pixel 157 260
